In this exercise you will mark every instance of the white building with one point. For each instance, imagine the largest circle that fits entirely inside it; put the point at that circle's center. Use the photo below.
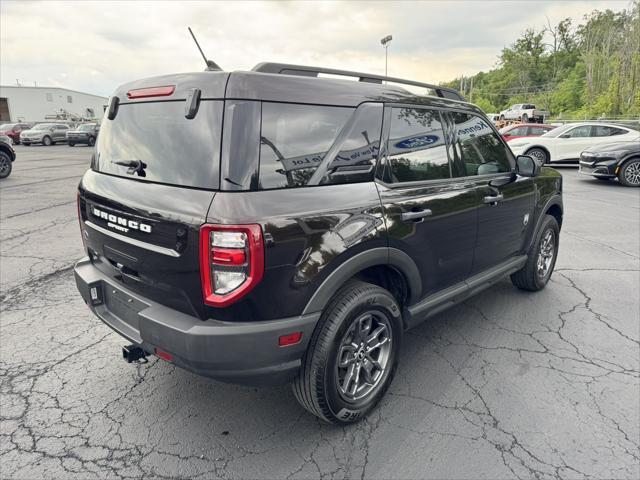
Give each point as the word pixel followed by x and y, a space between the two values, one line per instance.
pixel 36 104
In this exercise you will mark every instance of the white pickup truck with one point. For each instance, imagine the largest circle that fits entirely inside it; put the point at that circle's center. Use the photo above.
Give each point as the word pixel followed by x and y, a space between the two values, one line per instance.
pixel 525 112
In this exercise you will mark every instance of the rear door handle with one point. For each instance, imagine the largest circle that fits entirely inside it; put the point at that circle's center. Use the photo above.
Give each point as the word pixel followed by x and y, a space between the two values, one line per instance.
pixel 419 215
pixel 494 199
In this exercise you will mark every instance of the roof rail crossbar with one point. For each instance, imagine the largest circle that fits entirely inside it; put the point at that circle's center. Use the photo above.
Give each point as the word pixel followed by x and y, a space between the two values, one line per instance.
pixel 301 70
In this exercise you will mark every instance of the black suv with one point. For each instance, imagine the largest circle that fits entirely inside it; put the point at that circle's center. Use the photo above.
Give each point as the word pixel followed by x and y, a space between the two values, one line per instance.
pixel 273 226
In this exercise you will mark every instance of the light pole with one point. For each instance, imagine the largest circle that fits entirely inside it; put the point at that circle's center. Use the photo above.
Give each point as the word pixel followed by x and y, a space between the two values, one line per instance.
pixel 385 43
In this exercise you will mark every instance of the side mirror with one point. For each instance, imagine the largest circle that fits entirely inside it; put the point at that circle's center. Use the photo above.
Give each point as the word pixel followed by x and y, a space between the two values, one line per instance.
pixel 51 129
pixel 526 166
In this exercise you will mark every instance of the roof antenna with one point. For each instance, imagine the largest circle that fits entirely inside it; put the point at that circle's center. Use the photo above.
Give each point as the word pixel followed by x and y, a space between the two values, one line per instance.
pixel 211 65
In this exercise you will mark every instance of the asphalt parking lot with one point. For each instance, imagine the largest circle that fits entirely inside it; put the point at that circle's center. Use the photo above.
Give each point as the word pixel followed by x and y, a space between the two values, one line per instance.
pixel 508 384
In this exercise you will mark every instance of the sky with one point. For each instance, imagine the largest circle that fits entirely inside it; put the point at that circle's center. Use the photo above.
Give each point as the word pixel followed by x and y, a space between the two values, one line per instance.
pixel 96 46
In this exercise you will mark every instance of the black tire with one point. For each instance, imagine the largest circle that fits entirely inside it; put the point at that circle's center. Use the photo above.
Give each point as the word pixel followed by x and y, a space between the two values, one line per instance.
pixel 92 141
pixel 316 386
pixel 529 277
pixel 502 118
pixel 629 174
pixel 6 165
pixel 71 144
pixel 525 118
pixel 538 154
pixel 46 141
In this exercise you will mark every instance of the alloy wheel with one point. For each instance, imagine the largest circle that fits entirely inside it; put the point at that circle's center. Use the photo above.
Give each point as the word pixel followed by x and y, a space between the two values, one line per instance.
pixel 632 173
pixel 5 166
pixel 364 355
pixel 546 254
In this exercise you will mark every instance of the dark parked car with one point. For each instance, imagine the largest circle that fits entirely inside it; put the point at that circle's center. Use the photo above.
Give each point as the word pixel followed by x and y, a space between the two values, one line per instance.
pixel 301 224
pixel 7 157
pixel 12 130
pixel 85 133
pixel 619 160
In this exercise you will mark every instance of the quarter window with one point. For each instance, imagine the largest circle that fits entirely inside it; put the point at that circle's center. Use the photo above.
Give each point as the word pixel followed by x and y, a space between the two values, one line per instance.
pixel 293 141
pixel 416 147
pixel 478 147
pixel 604 131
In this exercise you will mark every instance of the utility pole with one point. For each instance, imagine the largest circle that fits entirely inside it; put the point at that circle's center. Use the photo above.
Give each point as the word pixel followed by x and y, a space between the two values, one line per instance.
pixel 385 43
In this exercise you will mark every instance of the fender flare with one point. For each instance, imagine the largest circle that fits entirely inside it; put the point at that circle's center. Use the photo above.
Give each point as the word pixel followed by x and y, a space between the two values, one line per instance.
pixel 386 256
pixel 556 199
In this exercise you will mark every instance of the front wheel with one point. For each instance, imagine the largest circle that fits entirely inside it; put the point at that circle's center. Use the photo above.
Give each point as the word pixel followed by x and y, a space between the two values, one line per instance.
pixel 71 144
pixel 92 141
pixel 352 356
pixel 5 165
pixel 46 141
pixel 541 258
pixel 538 154
pixel 629 174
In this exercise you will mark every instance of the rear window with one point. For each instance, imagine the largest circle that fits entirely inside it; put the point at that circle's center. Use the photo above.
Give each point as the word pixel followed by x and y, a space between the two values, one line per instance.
pixel 173 149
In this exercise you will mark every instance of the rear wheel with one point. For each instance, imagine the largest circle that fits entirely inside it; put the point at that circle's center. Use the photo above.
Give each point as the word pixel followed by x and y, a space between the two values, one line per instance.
pixel 46 141
pixel 352 356
pixel 541 258
pixel 502 118
pixel 629 174
pixel 71 144
pixel 5 165
pixel 538 154
pixel 92 141
pixel 525 118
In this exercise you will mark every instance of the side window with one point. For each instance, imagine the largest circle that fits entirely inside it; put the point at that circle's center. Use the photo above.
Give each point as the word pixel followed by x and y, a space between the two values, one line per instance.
pixel 416 147
pixel 537 130
pixel 579 132
pixel 604 131
pixel 518 131
pixel 293 141
pixel 479 147
pixel 356 160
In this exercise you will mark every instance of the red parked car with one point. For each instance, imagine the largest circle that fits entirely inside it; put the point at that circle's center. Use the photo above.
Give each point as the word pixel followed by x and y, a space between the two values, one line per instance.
pixel 520 130
pixel 12 130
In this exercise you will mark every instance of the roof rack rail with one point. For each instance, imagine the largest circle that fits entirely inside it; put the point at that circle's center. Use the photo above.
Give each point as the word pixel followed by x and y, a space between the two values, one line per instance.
pixel 301 70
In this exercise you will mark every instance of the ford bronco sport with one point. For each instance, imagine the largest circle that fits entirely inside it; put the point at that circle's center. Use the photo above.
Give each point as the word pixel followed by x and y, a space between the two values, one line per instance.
pixel 275 226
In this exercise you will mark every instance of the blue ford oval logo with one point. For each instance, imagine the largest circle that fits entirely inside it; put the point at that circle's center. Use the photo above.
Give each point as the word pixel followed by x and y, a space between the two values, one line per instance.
pixel 415 142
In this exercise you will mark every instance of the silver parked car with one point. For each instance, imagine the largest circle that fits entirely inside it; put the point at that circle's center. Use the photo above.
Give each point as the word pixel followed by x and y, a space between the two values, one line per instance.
pixel 45 133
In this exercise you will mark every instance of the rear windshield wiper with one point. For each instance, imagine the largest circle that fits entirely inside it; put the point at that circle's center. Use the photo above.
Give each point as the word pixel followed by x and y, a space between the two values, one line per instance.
pixel 135 166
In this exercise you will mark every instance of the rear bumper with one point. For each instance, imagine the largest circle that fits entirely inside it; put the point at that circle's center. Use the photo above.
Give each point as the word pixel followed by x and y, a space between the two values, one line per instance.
pixel 236 352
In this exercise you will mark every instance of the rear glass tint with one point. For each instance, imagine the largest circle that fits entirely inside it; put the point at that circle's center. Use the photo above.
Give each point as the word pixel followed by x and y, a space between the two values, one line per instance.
pixel 294 140
pixel 173 150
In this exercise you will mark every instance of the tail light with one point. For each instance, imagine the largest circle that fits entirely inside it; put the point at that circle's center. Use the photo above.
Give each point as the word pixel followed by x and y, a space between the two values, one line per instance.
pixel 79 206
pixel 231 262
